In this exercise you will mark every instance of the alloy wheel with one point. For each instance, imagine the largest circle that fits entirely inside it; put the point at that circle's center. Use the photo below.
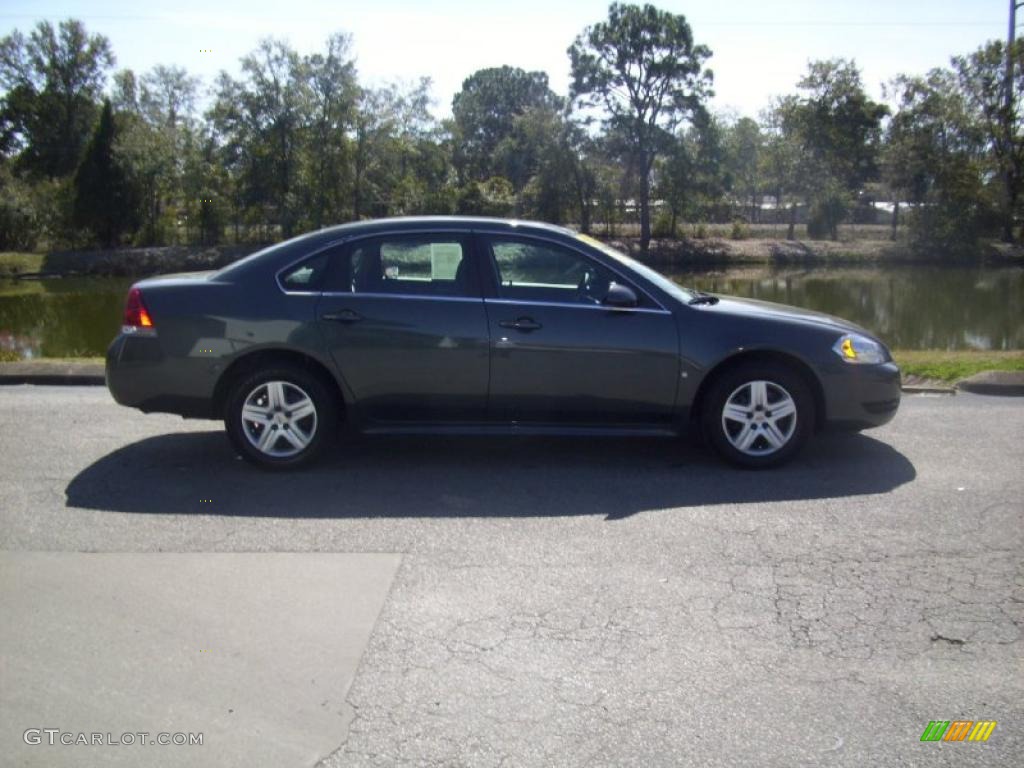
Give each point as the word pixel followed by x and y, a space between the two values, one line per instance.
pixel 279 419
pixel 759 418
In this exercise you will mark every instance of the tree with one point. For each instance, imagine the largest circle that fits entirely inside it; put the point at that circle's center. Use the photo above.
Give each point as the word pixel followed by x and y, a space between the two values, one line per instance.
pixel 839 128
pixel 263 119
pixel 484 112
pixel 150 158
pixel 124 95
pixel 168 96
pixel 642 68
pixel 982 83
pixel 156 118
pixel 936 158
pixel 743 146
pixel 334 92
pixel 784 162
pixel 51 82
pixel 693 178
pixel 105 201
pixel 541 159
pixel 400 155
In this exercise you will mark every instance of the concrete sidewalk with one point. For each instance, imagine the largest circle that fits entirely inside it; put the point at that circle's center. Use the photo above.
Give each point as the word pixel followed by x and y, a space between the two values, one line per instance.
pixel 255 651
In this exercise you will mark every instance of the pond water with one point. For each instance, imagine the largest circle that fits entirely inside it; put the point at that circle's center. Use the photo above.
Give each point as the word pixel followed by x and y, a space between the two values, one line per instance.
pixel 910 308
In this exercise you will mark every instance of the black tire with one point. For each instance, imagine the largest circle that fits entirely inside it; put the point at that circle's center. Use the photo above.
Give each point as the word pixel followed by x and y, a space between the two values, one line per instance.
pixel 722 433
pixel 320 428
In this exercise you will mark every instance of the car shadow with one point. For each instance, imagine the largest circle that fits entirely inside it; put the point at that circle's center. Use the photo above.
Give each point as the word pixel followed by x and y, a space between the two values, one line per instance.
pixel 197 472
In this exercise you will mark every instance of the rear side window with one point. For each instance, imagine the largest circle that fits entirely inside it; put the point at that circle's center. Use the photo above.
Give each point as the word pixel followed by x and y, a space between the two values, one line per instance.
pixel 418 266
pixel 305 276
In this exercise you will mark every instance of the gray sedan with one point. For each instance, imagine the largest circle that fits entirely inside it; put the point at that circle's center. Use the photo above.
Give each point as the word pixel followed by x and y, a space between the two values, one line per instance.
pixel 463 325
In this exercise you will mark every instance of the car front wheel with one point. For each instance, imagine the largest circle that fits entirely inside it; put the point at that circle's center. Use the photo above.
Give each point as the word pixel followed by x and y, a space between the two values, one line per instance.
pixel 281 417
pixel 758 415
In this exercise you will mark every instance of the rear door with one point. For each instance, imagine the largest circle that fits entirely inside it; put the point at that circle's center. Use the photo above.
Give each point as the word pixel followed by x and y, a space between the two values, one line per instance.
pixel 403 318
pixel 561 356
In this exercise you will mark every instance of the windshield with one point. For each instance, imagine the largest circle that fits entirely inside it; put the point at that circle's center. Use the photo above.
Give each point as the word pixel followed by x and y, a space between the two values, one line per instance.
pixel 668 286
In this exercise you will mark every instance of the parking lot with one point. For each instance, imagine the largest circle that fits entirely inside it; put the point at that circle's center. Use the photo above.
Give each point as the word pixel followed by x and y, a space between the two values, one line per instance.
pixel 558 601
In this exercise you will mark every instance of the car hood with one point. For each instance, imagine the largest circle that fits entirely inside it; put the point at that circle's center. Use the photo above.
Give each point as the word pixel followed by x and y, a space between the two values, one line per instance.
pixel 767 310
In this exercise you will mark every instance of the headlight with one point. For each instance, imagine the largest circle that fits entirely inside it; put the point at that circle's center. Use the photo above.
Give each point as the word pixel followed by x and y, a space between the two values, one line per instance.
pixel 854 348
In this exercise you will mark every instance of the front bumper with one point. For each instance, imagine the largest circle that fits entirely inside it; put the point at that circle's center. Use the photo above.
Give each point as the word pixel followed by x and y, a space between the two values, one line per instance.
pixel 860 396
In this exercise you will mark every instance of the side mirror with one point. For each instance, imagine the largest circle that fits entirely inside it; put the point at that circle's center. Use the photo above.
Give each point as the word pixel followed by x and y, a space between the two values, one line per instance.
pixel 621 296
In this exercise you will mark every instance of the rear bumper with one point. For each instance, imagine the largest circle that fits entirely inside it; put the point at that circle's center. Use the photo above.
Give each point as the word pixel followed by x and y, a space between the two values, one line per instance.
pixel 861 396
pixel 139 375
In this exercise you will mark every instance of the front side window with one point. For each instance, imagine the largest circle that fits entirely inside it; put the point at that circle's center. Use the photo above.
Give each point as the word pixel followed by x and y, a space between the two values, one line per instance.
pixel 418 266
pixel 543 272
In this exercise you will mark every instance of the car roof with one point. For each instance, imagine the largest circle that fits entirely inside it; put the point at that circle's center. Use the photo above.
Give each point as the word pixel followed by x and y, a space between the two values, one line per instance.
pixel 274 256
pixel 428 222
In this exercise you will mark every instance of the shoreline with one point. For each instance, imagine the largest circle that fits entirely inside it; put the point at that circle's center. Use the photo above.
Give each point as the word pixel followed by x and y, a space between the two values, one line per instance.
pixel 683 253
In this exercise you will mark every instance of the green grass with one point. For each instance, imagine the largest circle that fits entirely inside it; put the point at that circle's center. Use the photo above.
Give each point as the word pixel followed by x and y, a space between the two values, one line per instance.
pixel 16 263
pixel 953 365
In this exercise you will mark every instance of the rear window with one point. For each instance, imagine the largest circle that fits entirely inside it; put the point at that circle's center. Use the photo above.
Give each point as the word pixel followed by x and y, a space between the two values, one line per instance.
pixel 305 276
pixel 279 252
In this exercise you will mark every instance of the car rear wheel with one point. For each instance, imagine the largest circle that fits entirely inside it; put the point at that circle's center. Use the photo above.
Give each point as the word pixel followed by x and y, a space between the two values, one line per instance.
pixel 280 417
pixel 758 415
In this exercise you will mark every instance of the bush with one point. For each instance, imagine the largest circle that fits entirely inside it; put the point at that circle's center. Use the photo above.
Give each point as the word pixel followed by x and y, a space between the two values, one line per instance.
pixel 19 222
pixel 493 197
pixel 817 224
pixel 740 230
pixel 700 231
pixel 211 221
pixel 55 205
pixel 952 227
pixel 957 212
pixel 824 217
pixel 662 226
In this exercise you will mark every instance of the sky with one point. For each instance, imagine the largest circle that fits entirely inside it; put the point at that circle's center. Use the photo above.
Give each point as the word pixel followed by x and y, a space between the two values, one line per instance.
pixel 760 49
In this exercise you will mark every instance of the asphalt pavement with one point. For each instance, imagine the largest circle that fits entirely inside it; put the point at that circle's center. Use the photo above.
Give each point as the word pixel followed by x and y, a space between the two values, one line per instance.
pixel 564 601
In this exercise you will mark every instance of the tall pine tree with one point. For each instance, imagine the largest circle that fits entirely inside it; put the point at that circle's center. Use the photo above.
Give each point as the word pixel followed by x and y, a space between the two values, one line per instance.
pixel 106 203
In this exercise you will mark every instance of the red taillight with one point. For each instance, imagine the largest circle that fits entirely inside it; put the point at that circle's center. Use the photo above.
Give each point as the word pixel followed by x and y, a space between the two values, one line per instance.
pixel 135 313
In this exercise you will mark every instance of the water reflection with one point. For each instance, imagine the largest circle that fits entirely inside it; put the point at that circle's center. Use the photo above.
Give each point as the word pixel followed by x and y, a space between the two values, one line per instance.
pixel 68 317
pixel 918 308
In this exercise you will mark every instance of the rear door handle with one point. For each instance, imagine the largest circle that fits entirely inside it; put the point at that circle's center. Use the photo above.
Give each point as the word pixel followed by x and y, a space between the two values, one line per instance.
pixel 342 316
pixel 521 324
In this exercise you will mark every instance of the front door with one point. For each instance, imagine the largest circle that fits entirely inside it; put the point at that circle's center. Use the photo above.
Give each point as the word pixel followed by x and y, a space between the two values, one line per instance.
pixel 405 323
pixel 559 355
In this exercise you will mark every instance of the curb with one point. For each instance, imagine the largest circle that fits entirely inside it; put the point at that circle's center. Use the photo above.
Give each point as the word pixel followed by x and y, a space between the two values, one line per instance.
pixel 1005 383
pixel 914 389
pixel 42 372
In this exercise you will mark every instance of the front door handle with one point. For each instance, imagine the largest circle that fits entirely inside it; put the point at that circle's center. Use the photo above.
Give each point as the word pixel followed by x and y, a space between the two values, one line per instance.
pixel 342 316
pixel 521 324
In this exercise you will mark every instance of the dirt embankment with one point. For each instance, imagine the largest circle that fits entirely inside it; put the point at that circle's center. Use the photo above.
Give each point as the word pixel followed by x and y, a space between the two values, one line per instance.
pixel 721 252
pixel 140 262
